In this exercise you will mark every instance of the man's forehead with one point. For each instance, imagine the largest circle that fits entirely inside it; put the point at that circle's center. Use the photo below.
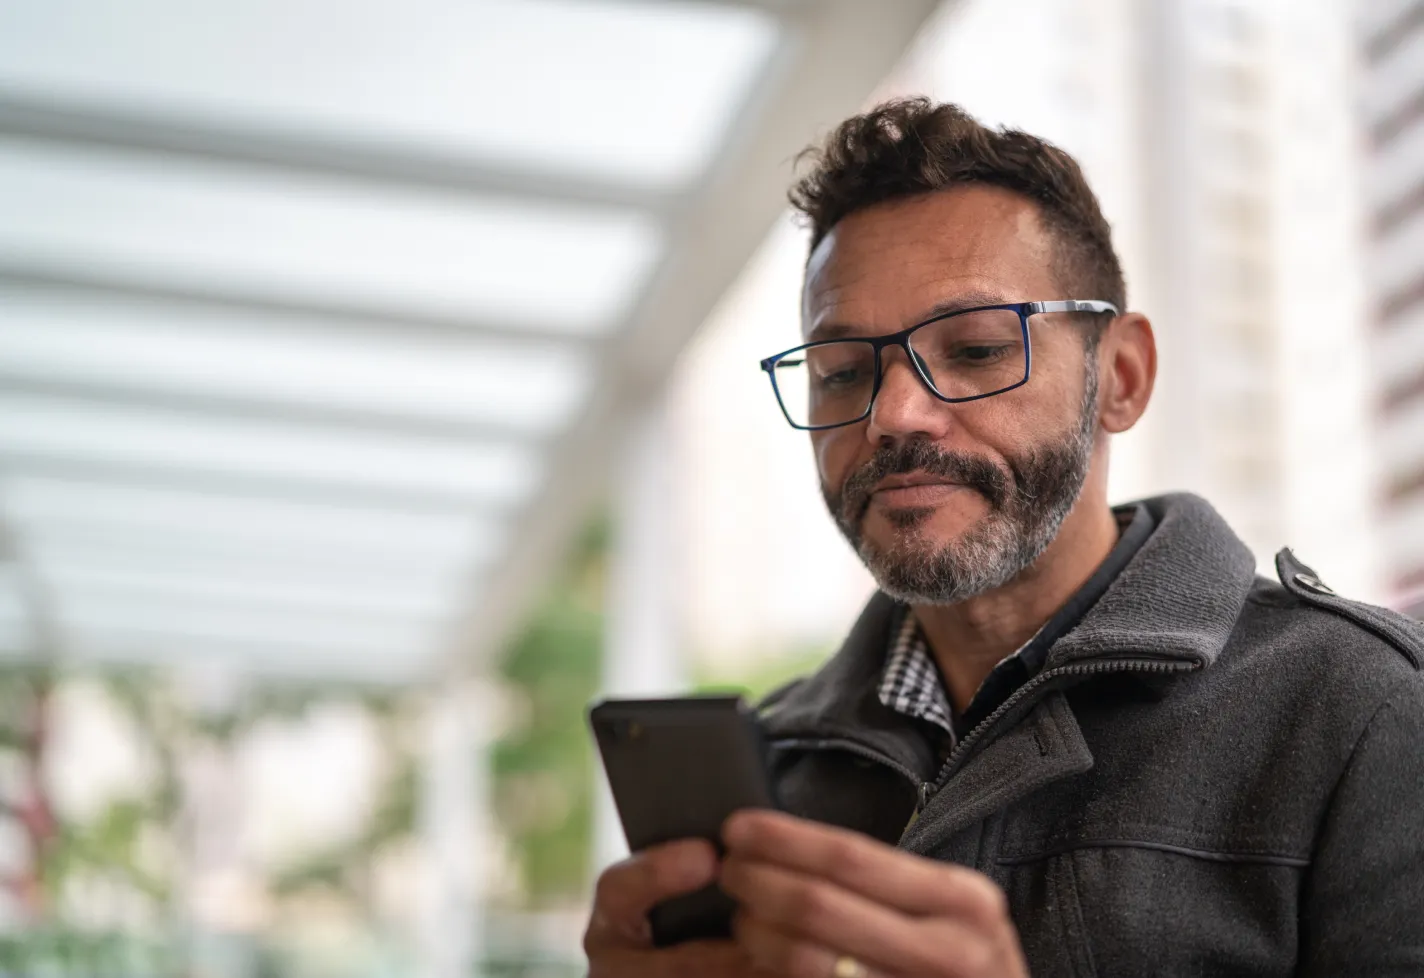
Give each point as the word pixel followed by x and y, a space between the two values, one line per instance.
pixel 898 258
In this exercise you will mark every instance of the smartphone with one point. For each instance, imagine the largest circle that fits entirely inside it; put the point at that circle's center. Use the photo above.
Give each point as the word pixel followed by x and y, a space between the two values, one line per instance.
pixel 678 768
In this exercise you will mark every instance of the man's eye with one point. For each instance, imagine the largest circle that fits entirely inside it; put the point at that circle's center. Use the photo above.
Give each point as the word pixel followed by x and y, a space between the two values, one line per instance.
pixel 841 378
pixel 979 354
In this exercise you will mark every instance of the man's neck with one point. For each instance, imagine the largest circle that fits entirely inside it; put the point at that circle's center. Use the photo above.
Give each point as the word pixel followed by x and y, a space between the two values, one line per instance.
pixel 969 638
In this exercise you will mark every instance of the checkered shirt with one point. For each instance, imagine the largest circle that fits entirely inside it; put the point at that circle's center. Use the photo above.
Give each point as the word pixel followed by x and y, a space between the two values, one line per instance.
pixel 910 683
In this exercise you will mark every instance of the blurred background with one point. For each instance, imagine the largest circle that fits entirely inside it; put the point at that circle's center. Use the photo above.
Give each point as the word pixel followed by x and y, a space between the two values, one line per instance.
pixel 378 386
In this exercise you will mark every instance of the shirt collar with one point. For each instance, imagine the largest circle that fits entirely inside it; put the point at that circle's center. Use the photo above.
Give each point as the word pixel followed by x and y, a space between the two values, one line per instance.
pixel 911 683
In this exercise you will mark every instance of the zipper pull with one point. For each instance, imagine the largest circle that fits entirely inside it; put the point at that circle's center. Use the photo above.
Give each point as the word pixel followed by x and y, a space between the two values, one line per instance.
pixel 922 798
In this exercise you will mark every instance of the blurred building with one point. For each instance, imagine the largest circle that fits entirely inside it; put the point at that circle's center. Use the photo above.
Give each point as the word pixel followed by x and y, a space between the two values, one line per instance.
pixel 1392 43
pixel 1250 197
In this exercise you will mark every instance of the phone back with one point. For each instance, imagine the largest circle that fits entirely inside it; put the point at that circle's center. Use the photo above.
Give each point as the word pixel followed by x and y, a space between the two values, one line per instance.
pixel 679 767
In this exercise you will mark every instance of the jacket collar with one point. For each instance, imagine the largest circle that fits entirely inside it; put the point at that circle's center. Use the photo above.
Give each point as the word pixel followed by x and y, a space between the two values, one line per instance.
pixel 1177 600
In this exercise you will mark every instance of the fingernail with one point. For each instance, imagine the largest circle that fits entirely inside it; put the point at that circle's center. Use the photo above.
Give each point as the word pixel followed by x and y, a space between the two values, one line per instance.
pixel 696 863
pixel 734 829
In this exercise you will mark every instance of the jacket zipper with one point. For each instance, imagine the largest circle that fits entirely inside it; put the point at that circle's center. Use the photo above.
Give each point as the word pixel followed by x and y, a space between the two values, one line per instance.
pixel 925 790
pixel 981 729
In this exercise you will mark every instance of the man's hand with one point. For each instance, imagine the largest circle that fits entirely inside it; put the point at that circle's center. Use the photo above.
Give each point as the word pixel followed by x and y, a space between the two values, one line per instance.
pixel 815 897
pixel 619 942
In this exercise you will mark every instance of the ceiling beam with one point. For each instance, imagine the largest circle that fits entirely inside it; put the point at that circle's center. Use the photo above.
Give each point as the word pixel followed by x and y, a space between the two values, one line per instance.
pixel 199 551
pixel 240 484
pixel 219 406
pixel 370 160
pixel 352 319
pixel 835 54
pixel 364 609
pixel 133 648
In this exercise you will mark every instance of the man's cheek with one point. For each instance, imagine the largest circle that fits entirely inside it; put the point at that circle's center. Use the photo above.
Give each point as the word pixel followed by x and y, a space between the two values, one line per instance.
pixel 835 459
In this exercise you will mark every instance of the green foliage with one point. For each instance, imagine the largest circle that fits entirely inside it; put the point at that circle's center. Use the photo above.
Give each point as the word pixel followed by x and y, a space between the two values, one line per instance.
pixel 544 769
pixel 64 953
pixel 107 845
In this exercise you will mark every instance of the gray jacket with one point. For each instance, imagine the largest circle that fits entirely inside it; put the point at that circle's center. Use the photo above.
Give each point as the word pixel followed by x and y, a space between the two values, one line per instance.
pixel 1214 774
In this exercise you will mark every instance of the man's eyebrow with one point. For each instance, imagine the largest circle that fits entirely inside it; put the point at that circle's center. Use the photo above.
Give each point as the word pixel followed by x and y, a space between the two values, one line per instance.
pixel 962 301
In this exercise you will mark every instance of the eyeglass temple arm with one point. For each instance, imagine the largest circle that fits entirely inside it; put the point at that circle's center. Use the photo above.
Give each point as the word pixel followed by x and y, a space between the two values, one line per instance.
pixel 1073 305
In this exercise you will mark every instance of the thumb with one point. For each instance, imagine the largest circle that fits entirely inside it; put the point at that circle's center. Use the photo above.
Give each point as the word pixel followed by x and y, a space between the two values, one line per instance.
pixel 626 891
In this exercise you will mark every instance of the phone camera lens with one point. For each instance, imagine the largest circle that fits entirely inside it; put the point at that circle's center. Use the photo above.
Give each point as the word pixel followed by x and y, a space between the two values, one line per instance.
pixel 621 731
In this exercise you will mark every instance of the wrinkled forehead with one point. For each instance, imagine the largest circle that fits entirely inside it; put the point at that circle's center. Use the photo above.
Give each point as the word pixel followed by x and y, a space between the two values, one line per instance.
pixel 881 268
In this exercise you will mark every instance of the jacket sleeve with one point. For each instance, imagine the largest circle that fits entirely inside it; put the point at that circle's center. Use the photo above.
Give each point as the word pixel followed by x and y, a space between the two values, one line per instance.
pixel 1363 901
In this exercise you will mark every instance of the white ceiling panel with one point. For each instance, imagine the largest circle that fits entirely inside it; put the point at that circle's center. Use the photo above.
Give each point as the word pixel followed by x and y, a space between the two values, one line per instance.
pixel 359 634
pixel 304 239
pixel 36 505
pixel 122 647
pixel 137 439
pixel 77 339
pixel 12 600
pixel 635 91
pixel 332 593
pixel 62 542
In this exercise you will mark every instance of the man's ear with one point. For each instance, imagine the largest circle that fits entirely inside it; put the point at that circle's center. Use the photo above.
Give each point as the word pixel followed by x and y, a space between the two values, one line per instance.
pixel 1127 371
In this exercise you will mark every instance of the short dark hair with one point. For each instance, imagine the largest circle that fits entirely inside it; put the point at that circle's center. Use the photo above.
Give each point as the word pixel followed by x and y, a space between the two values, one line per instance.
pixel 912 146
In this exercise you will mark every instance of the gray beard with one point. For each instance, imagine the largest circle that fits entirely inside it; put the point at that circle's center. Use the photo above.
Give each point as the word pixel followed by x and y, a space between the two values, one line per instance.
pixel 1027 509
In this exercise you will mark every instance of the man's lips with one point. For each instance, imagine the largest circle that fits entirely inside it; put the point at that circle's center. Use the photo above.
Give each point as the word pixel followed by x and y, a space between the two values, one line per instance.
pixel 913 490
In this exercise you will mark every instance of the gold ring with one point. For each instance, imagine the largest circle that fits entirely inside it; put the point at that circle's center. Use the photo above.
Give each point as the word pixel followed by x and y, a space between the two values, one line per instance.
pixel 848 967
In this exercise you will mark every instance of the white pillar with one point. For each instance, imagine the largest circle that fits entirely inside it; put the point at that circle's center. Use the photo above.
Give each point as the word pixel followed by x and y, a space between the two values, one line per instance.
pixel 454 824
pixel 642 653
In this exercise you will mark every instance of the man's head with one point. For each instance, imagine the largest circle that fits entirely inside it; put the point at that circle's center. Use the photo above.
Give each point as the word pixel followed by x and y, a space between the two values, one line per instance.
pixel 916 209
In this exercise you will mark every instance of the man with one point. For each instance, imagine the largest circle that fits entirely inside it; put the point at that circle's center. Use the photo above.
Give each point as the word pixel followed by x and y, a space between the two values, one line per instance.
pixel 1064 739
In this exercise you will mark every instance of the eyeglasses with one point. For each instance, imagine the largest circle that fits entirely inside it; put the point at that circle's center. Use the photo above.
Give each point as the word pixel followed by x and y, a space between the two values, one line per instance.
pixel 959 356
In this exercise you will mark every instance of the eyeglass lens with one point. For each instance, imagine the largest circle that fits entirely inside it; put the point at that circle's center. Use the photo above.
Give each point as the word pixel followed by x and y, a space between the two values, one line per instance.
pixel 963 356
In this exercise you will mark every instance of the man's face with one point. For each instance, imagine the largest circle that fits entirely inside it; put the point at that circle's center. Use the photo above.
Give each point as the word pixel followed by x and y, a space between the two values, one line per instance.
pixel 946 501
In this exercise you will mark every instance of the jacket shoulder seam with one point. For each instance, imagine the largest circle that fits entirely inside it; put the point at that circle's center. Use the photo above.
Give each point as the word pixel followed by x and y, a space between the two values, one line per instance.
pixel 1402 634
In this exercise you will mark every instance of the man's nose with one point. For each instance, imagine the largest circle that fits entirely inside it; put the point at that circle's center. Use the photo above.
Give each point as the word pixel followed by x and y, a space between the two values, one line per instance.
pixel 904 406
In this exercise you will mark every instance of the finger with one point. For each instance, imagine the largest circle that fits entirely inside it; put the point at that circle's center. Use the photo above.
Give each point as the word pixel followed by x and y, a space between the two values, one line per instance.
pixel 626 891
pixel 695 959
pixel 821 914
pixel 880 873
pixel 955 949
pixel 945 947
pixel 786 955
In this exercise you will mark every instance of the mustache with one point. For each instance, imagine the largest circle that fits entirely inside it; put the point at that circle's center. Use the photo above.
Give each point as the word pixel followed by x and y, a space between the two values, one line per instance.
pixel 973 471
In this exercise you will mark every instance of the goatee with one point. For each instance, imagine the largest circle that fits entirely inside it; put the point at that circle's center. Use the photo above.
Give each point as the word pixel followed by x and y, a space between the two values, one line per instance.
pixel 1027 505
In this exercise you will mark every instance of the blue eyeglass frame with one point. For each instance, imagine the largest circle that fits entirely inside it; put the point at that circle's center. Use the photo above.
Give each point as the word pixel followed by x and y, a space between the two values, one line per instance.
pixel 902 340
